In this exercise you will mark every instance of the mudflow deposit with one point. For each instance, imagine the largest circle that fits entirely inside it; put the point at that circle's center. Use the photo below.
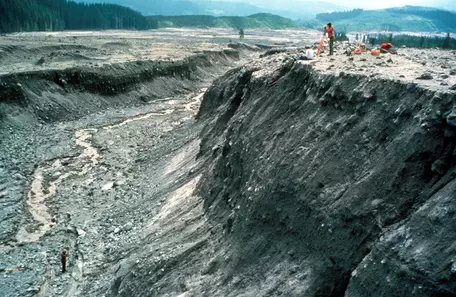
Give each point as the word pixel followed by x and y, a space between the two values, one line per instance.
pixel 183 163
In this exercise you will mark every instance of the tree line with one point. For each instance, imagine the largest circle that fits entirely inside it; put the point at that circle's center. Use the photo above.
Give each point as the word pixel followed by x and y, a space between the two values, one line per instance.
pixel 57 15
pixel 446 42
pixel 259 20
pixel 339 15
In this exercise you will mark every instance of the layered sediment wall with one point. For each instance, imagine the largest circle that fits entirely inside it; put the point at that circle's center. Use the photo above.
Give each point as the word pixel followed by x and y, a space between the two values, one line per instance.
pixel 323 182
pixel 65 94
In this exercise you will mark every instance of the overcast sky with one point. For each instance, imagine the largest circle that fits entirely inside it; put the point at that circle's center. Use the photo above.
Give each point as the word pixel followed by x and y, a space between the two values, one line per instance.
pixel 363 4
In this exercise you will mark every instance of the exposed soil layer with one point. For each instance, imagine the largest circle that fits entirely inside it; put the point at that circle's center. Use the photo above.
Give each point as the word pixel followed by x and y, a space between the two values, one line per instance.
pixel 321 171
pixel 220 173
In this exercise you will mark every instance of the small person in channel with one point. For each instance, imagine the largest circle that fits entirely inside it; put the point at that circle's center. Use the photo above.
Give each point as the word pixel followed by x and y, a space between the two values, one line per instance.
pixel 329 30
pixel 64 260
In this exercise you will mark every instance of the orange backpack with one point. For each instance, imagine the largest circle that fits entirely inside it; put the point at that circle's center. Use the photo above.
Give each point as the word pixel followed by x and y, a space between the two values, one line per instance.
pixel 375 52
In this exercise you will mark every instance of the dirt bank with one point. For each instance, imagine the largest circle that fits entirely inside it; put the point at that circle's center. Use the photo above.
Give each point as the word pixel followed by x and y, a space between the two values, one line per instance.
pixel 312 168
pixel 311 179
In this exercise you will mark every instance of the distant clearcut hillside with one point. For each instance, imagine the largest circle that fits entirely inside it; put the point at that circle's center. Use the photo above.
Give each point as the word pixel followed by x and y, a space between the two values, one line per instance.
pixel 260 20
pixel 407 18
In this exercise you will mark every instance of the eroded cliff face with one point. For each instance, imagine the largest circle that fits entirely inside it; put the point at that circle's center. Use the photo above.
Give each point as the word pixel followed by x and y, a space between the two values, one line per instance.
pixel 323 184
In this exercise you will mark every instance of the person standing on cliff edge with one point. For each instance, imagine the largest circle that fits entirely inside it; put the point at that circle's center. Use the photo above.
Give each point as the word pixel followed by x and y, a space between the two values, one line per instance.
pixel 329 29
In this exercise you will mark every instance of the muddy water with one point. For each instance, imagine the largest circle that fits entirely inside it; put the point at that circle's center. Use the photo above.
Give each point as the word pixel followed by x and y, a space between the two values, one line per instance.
pixel 82 138
pixel 196 101
pixel 137 118
pixel 40 190
pixel 36 206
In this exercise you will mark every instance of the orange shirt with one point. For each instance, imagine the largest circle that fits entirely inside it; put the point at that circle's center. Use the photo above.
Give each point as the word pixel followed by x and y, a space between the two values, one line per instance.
pixel 330 31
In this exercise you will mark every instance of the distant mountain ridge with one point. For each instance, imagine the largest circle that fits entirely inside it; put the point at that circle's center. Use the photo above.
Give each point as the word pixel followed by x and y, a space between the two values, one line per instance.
pixel 185 7
pixel 292 9
pixel 405 19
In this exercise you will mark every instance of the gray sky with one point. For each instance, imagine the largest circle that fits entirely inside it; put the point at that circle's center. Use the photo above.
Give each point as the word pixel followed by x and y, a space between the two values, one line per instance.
pixel 362 4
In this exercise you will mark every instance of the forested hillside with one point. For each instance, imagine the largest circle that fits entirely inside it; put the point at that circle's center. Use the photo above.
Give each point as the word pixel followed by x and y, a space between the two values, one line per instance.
pixel 259 20
pixel 56 15
pixel 405 19
pixel 447 18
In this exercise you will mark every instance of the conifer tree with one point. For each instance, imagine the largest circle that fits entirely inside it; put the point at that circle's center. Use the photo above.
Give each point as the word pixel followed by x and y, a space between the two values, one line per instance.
pixel 447 42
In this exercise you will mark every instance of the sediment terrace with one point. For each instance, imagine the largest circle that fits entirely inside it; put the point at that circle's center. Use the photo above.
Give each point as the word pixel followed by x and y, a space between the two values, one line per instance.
pixel 278 178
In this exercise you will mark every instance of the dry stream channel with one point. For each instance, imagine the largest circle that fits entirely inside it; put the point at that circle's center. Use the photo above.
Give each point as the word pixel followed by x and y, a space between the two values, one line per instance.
pixel 40 191
pixel 48 179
